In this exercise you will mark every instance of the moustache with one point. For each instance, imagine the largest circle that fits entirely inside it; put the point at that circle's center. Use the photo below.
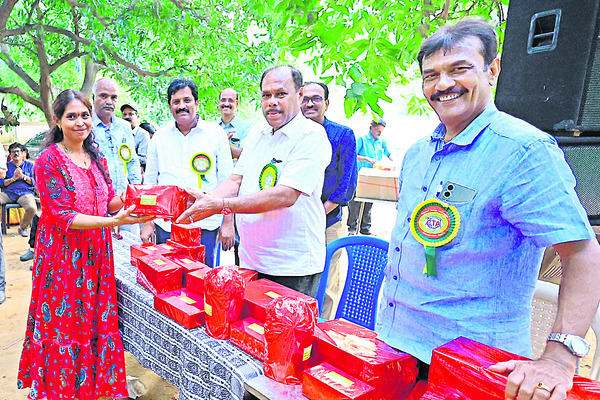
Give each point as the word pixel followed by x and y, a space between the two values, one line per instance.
pixel 453 90
pixel 107 107
pixel 180 110
pixel 278 110
pixel 127 119
pixel 226 106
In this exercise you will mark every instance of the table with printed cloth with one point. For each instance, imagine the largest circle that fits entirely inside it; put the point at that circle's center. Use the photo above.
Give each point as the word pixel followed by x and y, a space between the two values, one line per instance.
pixel 200 366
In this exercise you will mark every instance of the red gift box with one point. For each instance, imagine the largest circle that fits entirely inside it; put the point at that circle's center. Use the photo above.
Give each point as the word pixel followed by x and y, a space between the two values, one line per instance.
pixel 223 300
pixel 187 265
pixel 194 281
pixel 158 274
pixel 146 249
pixel 166 201
pixel 248 274
pixel 261 292
pixel 459 370
pixel 182 306
pixel 356 351
pixel 249 335
pixel 186 234
pixel 326 382
pixel 197 252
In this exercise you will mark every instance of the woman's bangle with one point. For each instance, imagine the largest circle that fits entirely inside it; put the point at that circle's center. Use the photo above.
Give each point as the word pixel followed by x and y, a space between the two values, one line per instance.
pixel 112 222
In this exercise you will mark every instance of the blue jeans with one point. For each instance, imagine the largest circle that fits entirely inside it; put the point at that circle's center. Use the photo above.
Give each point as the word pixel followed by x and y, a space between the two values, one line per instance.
pixel 2 267
pixel 209 239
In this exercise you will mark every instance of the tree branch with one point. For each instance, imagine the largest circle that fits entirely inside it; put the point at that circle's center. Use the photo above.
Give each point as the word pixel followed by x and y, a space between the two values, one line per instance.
pixel 22 94
pixel 22 46
pixel 105 21
pixel 64 59
pixel 5 11
pixel 10 63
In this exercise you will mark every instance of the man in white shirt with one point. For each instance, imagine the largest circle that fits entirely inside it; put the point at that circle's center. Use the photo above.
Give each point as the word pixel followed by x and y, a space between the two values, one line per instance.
pixel 190 153
pixel 276 188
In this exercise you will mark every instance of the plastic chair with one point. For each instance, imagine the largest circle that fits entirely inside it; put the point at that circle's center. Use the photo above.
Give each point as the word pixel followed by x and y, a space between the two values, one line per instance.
pixel 367 258
pixel 544 306
pixel 5 221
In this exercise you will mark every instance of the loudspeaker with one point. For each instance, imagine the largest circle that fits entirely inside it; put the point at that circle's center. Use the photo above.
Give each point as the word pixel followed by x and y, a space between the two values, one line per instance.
pixel 551 64
pixel 583 156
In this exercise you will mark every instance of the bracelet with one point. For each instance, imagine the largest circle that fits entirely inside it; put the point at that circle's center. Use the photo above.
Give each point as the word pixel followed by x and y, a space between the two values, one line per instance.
pixel 225 209
pixel 112 222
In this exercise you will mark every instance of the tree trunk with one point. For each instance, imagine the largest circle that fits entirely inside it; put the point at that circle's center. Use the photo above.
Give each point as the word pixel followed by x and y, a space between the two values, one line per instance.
pixel 91 69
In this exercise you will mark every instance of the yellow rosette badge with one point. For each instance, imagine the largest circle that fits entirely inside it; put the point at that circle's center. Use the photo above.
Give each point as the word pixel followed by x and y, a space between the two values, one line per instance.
pixel 434 223
pixel 267 177
pixel 201 165
pixel 126 155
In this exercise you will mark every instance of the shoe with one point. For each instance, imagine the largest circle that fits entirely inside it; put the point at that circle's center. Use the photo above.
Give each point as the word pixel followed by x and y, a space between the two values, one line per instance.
pixel 366 233
pixel 31 267
pixel 2 296
pixel 27 256
pixel 351 232
pixel 23 232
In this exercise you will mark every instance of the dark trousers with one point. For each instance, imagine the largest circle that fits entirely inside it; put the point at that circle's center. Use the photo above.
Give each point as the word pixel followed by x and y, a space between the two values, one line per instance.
pixel 353 211
pixel 306 284
pixel 33 231
pixel 210 240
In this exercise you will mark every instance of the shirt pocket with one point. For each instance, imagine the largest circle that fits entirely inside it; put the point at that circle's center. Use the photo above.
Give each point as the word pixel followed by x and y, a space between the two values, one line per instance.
pixel 464 210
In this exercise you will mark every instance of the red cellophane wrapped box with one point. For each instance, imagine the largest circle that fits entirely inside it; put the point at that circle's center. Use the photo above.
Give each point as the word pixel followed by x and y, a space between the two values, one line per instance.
pixel 194 281
pixel 326 382
pixel 356 351
pixel 146 249
pixel 182 306
pixel 187 265
pixel 249 335
pixel 223 300
pixel 186 234
pixel 289 327
pixel 459 370
pixel 165 201
pixel 248 274
pixel 158 274
pixel 197 251
pixel 261 292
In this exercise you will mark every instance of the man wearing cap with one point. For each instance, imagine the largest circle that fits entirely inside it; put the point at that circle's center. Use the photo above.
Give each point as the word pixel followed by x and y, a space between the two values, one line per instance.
pixel 140 135
pixel 370 149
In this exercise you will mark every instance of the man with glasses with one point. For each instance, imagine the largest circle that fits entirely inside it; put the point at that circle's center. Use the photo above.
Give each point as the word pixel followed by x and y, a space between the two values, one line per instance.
pixel 340 180
pixel 237 129
pixel 18 186
pixel 115 139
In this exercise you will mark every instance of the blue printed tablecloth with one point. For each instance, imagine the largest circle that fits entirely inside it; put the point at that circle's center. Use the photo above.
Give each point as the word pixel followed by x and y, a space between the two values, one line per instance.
pixel 200 366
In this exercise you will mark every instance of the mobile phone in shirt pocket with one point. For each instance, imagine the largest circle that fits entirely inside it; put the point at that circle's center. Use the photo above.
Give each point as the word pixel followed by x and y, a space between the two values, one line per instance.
pixel 453 192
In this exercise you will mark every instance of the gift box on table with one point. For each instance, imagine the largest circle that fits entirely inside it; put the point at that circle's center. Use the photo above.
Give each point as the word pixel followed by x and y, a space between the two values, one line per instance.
pixel 182 306
pixel 146 249
pixel 261 292
pixel 325 382
pixel 158 274
pixel 249 335
pixel 187 265
pixel 248 274
pixel 223 300
pixel 194 281
pixel 197 251
pixel 459 370
pixel 163 201
pixel 186 234
pixel 356 351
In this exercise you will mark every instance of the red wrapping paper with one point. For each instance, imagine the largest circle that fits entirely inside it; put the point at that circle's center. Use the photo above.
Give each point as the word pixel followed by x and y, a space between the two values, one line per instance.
pixel 261 292
pixel 356 351
pixel 167 201
pixel 197 252
pixel 418 391
pixel 187 265
pixel 223 300
pixel 182 306
pixel 326 382
pixel 187 235
pixel 194 281
pixel 249 335
pixel 158 274
pixel 146 249
pixel 459 370
pixel 248 274
pixel 289 328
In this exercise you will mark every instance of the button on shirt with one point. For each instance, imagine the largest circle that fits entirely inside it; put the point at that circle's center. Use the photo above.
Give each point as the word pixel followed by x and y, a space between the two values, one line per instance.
pixel 109 139
pixel 524 201
pixel 289 241
pixel 141 137
pixel 240 130
pixel 341 173
pixel 366 146
pixel 169 162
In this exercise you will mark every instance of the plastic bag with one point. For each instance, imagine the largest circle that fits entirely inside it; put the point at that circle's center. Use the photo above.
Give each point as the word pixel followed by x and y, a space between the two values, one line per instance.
pixel 223 300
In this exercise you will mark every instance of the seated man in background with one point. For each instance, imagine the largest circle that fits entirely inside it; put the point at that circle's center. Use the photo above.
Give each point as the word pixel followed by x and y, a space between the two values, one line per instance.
pixel 18 186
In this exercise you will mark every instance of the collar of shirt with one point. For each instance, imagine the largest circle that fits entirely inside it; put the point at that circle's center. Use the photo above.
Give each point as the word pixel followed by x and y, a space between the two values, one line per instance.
pixel 233 123
pixel 470 133
pixel 98 122
pixel 289 129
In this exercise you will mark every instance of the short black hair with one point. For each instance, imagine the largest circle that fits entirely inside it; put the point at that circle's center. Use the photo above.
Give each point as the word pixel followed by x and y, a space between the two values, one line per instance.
pixel 324 86
pixel 237 95
pixel 449 36
pixel 179 84
pixel 378 121
pixel 296 75
pixel 17 145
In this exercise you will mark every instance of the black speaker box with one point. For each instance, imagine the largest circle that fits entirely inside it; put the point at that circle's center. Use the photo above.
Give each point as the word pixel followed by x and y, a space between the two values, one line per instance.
pixel 551 65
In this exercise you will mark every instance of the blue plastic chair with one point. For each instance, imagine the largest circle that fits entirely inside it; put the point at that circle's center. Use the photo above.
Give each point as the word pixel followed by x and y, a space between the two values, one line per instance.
pixel 367 258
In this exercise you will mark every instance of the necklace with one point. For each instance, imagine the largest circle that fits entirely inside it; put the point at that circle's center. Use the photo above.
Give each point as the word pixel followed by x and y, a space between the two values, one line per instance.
pixel 69 153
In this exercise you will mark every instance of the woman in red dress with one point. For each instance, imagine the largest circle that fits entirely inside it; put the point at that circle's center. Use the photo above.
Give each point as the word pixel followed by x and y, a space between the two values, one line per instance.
pixel 72 347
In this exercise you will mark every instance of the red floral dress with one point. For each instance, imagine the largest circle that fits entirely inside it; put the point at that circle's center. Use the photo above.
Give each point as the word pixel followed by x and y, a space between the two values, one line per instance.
pixel 72 346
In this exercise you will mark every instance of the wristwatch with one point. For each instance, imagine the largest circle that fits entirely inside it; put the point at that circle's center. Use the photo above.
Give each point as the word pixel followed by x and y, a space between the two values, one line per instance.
pixel 576 344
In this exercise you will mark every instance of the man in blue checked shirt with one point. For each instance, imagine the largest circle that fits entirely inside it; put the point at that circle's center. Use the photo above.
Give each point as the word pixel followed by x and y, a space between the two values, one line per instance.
pixel 115 139
pixel 513 191
pixel 340 180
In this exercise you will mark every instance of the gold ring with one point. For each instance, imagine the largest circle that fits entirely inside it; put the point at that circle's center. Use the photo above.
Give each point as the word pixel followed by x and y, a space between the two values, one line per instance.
pixel 540 385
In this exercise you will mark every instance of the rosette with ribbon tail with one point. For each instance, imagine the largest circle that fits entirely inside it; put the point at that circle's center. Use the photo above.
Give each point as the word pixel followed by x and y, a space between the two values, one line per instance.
pixel 267 177
pixel 126 155
pixel 201 165
pixel 434 223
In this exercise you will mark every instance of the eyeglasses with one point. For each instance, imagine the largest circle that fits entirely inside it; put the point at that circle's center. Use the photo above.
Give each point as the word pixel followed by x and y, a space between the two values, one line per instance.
pixel 314 99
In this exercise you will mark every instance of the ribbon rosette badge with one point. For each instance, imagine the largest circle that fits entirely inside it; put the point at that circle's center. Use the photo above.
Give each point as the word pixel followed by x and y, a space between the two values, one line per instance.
pixel 126 155
pixel 201 165
pixel 268 177
pixel 434 224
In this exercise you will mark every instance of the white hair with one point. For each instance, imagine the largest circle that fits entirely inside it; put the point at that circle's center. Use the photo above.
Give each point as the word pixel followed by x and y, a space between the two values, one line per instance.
pixel 95 87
